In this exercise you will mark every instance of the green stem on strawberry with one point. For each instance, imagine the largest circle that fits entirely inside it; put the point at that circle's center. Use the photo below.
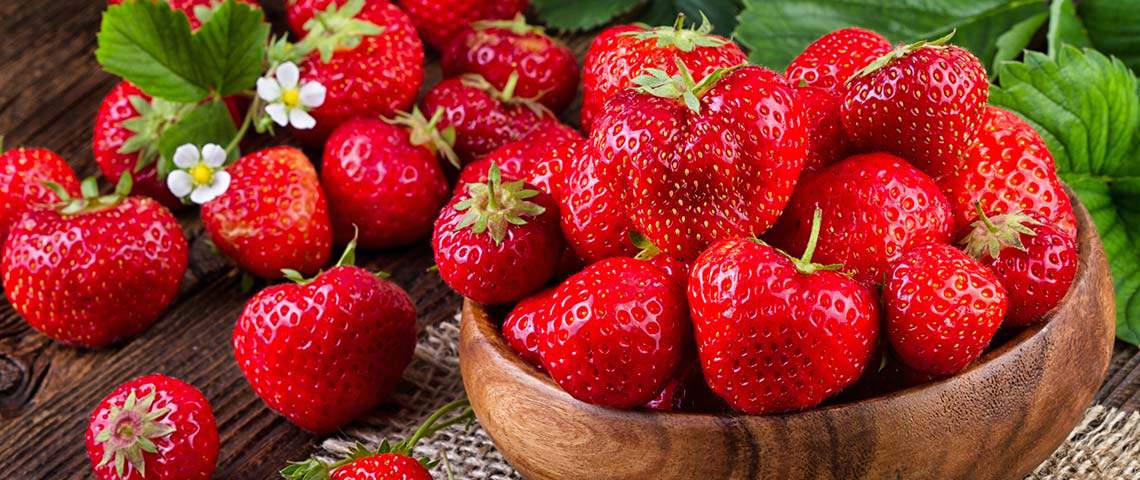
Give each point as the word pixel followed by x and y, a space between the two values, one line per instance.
pixel 90 200
pixel 984 218
pixel 424 132
pixel 646 249
pixel 804 264
pixel 677 36
pixel 992 234
pixel 492 206
pixel 507 94
pixel 900 52
pixel 681 85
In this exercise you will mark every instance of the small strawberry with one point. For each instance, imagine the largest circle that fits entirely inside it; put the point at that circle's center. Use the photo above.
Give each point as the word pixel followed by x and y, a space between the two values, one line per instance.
pixel 616 334
pixel 621 53
pixel 1035 262
pixel 923 102
pixel 439 21
pixel 23 172
pixel 547 69
pixel 92 270
pixel 829 61
pixel 383 179
pixel 153 428
pixel 876 207
pixel 325 350
pixel 942 308
pixel 498 242
pixel 524 326
pixel 540 158
pixel 1008 168
pixel 273 216
pixel 197 11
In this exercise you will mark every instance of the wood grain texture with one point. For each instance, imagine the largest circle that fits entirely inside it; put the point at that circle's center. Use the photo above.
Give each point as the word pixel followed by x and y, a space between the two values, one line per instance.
pixel 999 418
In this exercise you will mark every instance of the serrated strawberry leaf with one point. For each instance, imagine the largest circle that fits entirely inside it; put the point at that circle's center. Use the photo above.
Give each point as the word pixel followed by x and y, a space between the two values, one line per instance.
pixel 230 47
pixel 1011 43
pixel 577 15
pixel 149 44
pixel 1086 107
pixel 1114 28
pixel 207 123
pixel 1065 28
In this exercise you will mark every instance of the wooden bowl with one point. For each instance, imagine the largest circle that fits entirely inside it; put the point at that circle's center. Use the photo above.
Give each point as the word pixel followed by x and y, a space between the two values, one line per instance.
pixel 1000 418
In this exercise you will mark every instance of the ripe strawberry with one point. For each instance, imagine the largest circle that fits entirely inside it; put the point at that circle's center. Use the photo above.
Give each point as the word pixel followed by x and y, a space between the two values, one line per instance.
pixel 539 158
pixel 777 333
pixel 523 326
pixel 121 260
pixel 326 350
pixel 687 391
pixel 621 53
pixel 153 427
pixel 439 21
pixel 273 216
pixel 383 179
pixel 197 11
pixel 829 61
pixel 1035 262
pixel 923 102
pixel 827 142
pixel 942 308
pixel 1008 168
pixel 484 118
pixel 876 207
pixel 616 334
pixel 593 208
pixel 498 242
pixel 23 172
pixel 547 69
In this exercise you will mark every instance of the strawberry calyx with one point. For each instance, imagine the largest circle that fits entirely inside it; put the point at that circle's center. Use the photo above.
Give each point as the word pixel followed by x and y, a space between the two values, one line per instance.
pixel 347 259
pixel 131 430
pixel 154 118
pixel 646 249
pixel 334 28
pixel 517 25
pixel 425 132
pixel 804 264
pixel 900 52
pixel 507 94
pixel 681 85
pixel 90 199
pixel 677 36
pixel 490 207
pixel 992 234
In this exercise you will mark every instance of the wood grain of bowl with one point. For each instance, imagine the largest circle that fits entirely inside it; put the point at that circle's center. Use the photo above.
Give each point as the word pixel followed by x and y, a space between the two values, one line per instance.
pixel 998 419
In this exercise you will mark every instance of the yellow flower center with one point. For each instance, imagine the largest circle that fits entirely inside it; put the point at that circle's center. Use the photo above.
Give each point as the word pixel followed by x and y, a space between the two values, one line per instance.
pixel 291 97
pixel 202 174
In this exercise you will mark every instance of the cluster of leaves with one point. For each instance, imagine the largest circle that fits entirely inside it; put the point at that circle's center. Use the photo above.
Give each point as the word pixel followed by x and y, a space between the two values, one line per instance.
pixel 577 15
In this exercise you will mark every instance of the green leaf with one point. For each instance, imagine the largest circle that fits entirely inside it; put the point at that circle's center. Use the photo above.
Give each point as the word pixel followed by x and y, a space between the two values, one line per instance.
pixel 1065 28
pixel 208 123
pixel 1086 107
pixel 149 44
pixel 722 13
pixel 575 15
pixel 778 30
pixel 1114 28
pixel 230 47
pixel 1011 43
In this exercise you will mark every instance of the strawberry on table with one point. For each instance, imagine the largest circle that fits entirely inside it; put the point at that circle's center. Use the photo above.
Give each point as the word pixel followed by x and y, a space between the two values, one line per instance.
pixel 153 428
pixel 540 158
pixel 832 59
pixel 440 21
pixel 23 172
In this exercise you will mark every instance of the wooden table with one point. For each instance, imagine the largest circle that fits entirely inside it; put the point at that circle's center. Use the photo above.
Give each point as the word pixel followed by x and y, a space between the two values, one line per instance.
pixel 50 89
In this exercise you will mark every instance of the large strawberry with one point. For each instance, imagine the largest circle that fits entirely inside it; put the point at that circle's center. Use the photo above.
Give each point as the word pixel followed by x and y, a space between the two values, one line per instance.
pixel 273 216
pixel 875 207
pixel 616 333
pixel 540 158
pixel 323 351
pixel 832 59
pixel 923 102
pixel 119 258
pixel 498 242
pixel 197 11
pixel 621 53
pixel 1008 168
pixel 547 69
pixel 383 179
pixel 439 21
pixel 23 172
pixel 942 308
pixel 778 333
pixel 153 428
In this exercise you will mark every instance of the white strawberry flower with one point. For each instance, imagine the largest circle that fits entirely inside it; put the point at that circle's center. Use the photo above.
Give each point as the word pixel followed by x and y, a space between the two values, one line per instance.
pixel 289 101
pixel 199 174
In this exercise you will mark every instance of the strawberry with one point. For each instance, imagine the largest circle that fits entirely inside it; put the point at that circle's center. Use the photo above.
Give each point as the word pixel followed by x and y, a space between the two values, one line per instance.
pixel 484 117
pixel 325 350
pixel 522 329
pixel 547 69
pixel 273 216
pixel 498 242
pixel 23 172
pixel 439 21
pixel 777 333
pixel 829 61
pixel 540 158
pixel 121 260
pixel 593 208
pixel 686 391
pixel 153 427
pixel 876 206
pixel 1035 262
pixel 942 308
pixel 923 102
pixel 1008 168
pixel 621 53
pixel 827 142
pixel 383 179
pixel 197 11
pixel 616 333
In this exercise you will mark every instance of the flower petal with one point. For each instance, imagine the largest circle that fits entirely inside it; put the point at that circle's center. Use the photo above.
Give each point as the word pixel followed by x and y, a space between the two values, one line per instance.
pixel 179 183
pixel 186 156
pixel 221 182
pixel 287 75
pixel 278 113
pixel 202 195
pixel 268 89
pixel 312 94
pixel 213 155
pixel 301 119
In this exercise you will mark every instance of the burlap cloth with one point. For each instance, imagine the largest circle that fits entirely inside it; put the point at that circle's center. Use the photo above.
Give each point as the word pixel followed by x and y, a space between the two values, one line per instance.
pixel 1106 445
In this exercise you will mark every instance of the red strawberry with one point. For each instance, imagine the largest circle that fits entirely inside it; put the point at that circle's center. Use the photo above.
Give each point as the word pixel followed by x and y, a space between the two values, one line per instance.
pixel 923 102
pixel 498 242
pixel 153 427
pixel 876 207
pixel 942 308
pixel 539 158
pixel 439 21
pixel 832 59
pixel 593 208
pixel 827 142
pixel 547 69
pixel 686 391
pixel 616 334
pixel 121 260
pixel 1008 168
pixel 23 172
pixel 326 350
pixel 522 328
pixel 197 11
pixel 621 53
pixel 273 216
pixel 1035 262
pixel 484 118
pixel 383 180
pixel 777 333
